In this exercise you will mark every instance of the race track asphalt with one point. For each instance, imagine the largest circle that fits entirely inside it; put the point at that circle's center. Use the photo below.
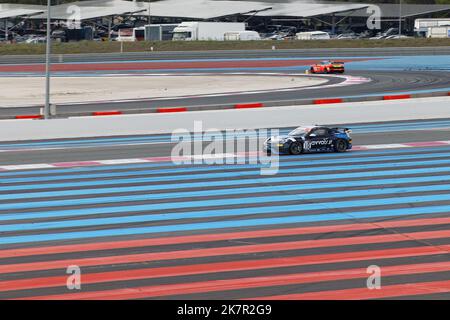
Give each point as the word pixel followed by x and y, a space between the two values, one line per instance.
pixel 165 231
pixel 63 150
pixel 411 71
pixel 382 83
pixel 157 230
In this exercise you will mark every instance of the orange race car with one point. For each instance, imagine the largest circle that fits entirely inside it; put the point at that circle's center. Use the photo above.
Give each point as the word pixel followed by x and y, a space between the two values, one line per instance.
pixel 328 67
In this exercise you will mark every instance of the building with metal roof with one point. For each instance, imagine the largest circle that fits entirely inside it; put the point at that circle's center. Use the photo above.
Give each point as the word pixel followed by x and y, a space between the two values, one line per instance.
pixel 299 13
pixel 197 9
pixel 9 10
pixel 389 10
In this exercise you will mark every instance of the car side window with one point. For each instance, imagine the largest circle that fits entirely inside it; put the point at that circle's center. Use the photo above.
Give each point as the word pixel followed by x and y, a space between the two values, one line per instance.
pixel 320 132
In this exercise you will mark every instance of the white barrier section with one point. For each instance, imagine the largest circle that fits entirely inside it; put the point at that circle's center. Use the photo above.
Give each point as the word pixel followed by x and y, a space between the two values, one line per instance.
pixel 273 117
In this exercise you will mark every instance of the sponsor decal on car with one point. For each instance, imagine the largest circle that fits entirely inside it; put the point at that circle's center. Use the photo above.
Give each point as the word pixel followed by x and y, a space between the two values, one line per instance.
pixel 309 144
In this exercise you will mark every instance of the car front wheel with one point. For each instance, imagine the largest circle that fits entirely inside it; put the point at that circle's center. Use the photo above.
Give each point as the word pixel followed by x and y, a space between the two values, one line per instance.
pixel 340 146
pixel 296 148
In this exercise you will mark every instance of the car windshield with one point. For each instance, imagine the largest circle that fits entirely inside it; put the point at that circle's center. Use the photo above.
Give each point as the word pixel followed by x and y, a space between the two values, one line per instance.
pixel 325 62
pixel 300 131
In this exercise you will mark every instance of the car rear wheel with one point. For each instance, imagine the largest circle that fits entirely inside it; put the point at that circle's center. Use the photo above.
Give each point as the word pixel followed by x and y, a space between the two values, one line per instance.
pixel 296 148
pixel 340 146
pixel 312 70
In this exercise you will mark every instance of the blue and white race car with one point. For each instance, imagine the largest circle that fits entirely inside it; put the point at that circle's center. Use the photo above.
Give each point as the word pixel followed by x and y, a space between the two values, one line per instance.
pixel 308 139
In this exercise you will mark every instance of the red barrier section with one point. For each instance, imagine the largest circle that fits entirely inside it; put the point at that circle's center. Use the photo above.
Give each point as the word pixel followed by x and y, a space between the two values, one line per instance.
pixel 248 105
pixel 325 101
pixel 165 110
pixel 106 113
pixel 397 97
pixel 29 116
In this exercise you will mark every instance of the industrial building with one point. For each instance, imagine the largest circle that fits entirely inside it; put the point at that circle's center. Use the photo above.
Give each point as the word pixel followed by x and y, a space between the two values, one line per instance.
pixel 106 16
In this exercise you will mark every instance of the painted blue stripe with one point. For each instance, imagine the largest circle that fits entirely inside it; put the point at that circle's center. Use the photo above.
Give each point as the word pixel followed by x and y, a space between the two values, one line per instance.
pixel 146 197
pixel 209 170
pixel 200 214
pixel 225 182
pixel 226 224
pixel 272 188
pixel 169 164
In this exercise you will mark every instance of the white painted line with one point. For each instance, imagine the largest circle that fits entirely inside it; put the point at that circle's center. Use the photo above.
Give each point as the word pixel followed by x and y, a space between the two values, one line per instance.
pixel 27 166
pixel 122 161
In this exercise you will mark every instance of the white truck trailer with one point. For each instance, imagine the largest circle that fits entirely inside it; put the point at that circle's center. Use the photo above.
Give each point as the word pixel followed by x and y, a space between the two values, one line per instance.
pixel 422 25
pixel 192 31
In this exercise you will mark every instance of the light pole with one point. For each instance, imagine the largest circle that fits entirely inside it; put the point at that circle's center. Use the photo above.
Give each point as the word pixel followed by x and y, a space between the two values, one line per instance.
pixel 47 64
pixel 6 30
pixel 400 17
pixel 149 14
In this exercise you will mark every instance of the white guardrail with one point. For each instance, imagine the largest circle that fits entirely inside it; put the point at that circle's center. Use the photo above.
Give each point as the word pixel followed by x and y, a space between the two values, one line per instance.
pixel 357 112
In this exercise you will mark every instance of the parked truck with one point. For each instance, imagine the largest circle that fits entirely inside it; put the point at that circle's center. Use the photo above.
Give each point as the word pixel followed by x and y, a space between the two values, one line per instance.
pixel 192 31
pixel 422 25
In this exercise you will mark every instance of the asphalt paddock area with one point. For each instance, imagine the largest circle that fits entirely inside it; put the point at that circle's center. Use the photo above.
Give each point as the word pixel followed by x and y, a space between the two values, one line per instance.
pixel 163 231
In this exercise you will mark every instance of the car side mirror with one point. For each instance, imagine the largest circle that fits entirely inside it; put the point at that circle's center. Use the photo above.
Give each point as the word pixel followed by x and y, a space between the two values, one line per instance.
pixel 313 135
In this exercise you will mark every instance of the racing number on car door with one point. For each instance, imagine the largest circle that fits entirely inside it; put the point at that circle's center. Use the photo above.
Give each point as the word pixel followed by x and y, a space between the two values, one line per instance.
pixel 319 139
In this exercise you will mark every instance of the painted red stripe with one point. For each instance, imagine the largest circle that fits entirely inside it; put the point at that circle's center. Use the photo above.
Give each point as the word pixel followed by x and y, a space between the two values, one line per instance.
pixel 397 97
pixel 29 116
pixel 183 254
pixel 248 105
pixel 235 284
pixel 408 289
pixel 8 253
pixel 166 110
pixel 106 113
pixel 76 164
pixel 163 159
pixel 244 265
pixel 325 101
pixel 156 65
